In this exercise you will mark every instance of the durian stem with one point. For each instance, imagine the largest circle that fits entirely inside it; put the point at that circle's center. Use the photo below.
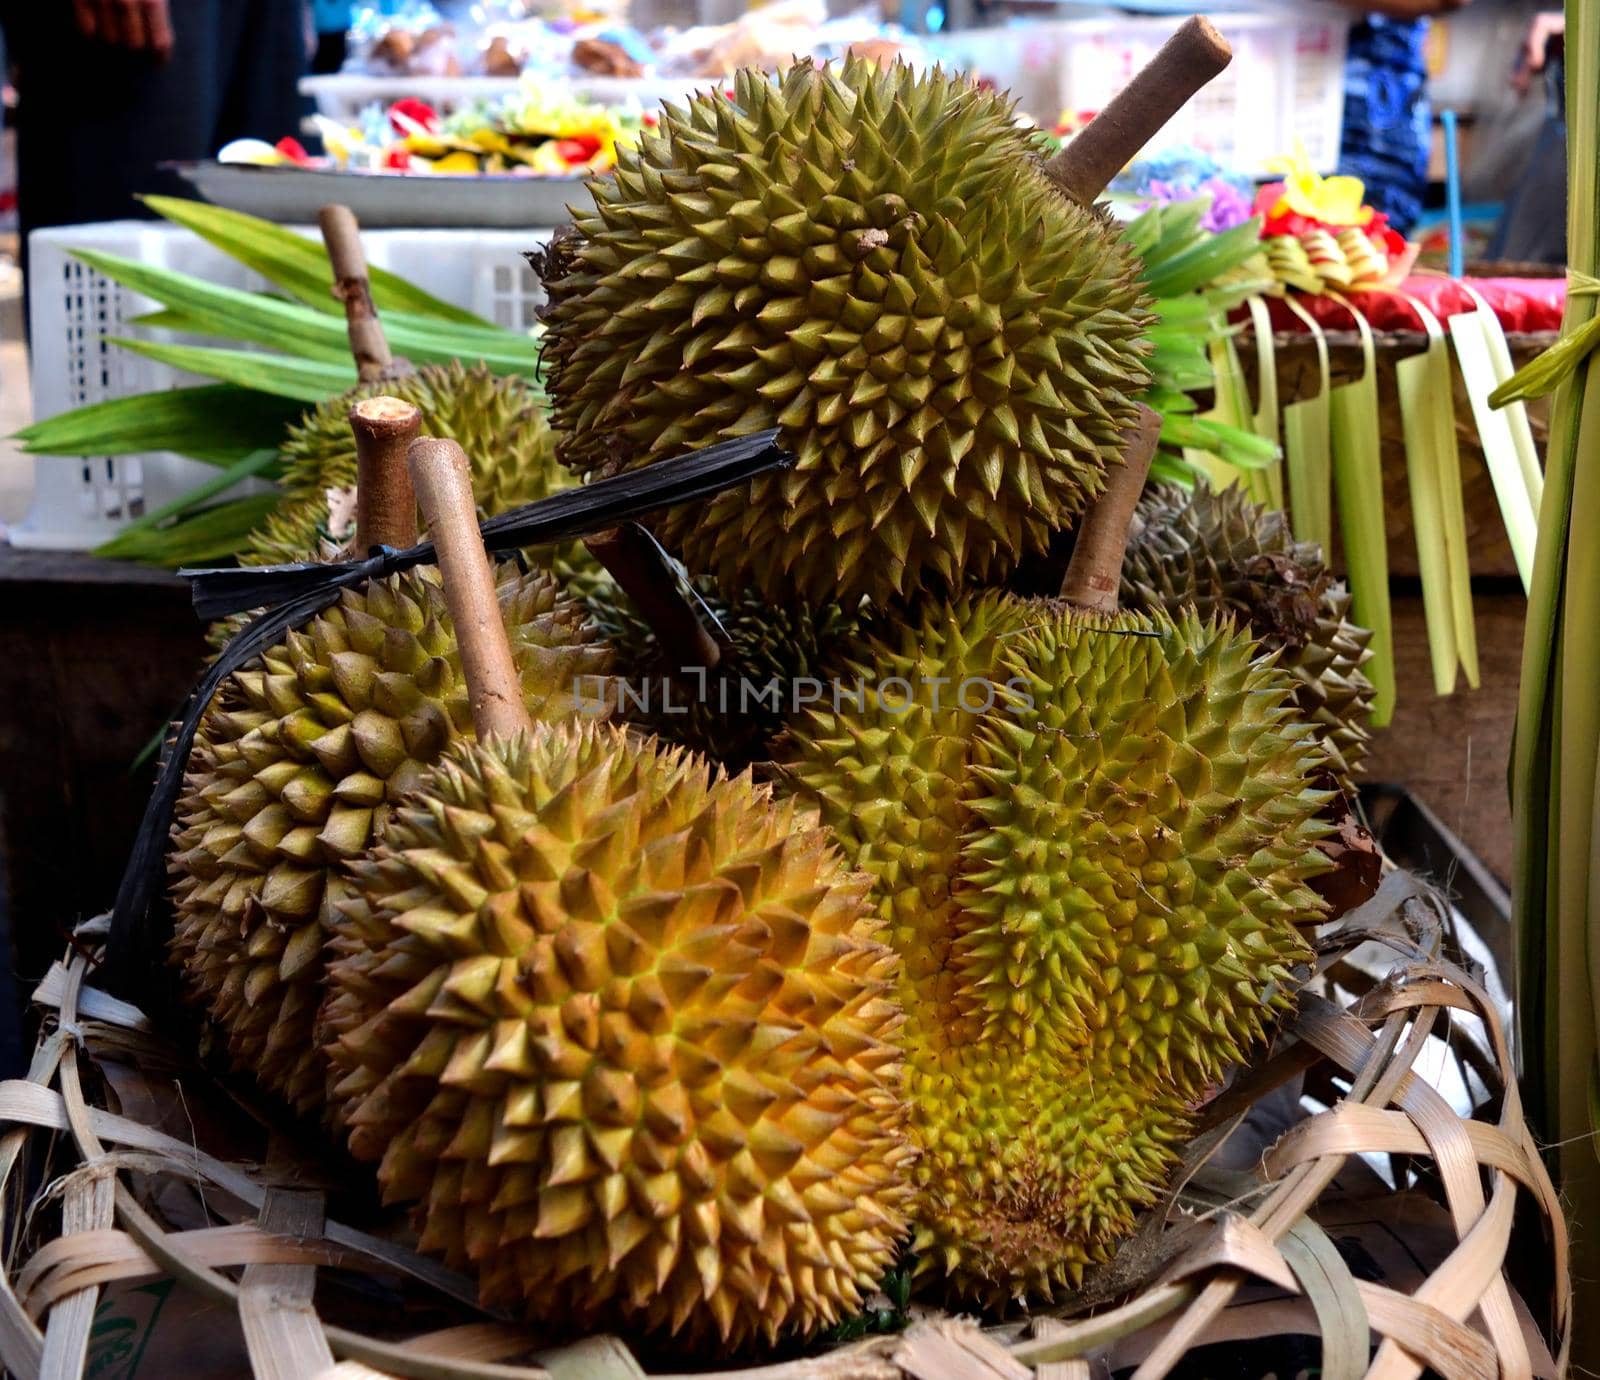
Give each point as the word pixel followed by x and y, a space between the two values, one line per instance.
pixel 1095 573
pixel 637 564
pixel 1110 141
pixel 443 481
pixel 368 344
pixel 386 504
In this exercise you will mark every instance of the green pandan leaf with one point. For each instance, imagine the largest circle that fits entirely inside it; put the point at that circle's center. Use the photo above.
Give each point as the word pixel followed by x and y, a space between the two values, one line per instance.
pixel 304 380
pixel 1433 470
pixel 1357 452
pixel 298 264
pixel 211 534
pixel 217 423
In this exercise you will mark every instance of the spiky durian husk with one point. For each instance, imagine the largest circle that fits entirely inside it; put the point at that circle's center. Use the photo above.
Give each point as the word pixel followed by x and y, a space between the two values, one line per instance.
pixel 498 420
pixel 620 1027
pixel 294 766
pixel 733 712
pixel 874 262
pixel 1220 552
pixel 1094 882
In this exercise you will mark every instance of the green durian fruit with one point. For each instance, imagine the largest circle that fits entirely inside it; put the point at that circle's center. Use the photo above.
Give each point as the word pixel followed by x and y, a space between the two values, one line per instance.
pixel 1091 841
pixel 296 763
pixel 499 420
pixel 874 262
pixel 1223 554
pixel 732 712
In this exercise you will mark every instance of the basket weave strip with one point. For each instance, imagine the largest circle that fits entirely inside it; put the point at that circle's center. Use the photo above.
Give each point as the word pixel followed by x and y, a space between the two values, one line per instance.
pixel 1229 1256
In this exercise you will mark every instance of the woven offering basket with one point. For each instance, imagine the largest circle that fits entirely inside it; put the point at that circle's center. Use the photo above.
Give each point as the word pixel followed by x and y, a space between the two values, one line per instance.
pixel 157 1224
pixel 1300 376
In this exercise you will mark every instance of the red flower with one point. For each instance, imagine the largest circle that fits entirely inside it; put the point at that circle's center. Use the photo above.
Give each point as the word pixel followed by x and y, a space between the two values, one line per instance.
pixel 578 149
pixel 418 113
pixel 397 160
pixel 1391 241
pixel 1285 222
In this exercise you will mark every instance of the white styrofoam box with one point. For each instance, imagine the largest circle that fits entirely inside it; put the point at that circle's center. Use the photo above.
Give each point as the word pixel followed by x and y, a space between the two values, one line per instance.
pixel 343 96
pixel 79 503
pixel 1286 80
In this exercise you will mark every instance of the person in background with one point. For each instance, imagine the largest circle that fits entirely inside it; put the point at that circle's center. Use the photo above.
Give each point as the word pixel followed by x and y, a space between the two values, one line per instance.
pixel 1533 227
pixel 1388 131
pixel 332 20
pixel 109 89
pixel 1546 38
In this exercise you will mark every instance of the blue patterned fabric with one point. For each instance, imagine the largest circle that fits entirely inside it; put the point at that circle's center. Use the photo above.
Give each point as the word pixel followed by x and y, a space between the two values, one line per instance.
pixel 332 16
pixel 1387 120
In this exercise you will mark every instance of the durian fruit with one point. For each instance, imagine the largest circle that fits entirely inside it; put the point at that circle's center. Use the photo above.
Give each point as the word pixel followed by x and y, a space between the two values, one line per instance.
pixel 621 1029
pixel 1223 554
pixel 874 262
pixel 733 711
pixel 499 420
pixel 618 1025
pixel 1091 839
pixel 294 766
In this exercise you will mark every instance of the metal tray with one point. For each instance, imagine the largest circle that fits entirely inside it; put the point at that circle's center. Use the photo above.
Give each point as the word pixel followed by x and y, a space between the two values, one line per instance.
pixel 293 196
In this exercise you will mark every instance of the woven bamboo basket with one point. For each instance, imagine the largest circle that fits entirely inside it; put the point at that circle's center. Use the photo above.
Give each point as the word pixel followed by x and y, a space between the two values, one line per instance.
pixel 1300 376
pixel 157 1224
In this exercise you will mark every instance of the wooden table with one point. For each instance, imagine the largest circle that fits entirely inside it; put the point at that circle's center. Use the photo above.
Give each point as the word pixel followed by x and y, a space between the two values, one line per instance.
pixel 1452 752
pixel 94 657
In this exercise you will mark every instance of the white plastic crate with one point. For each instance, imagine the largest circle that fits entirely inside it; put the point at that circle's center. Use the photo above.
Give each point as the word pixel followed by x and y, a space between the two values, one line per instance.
pixel 1286 81
pixel 79 503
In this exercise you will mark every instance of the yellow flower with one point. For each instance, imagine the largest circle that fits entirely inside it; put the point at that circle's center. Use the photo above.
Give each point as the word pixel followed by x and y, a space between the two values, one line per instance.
pixel 458 161
pixel 1336 201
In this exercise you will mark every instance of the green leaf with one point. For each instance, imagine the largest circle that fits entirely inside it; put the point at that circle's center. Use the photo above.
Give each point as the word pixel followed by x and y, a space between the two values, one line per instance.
pixel 1241 449
pixel 1358 484
pixel 252 466
pixel 217 423
pixel 205 309
pixel 503 352
pixel 1167 401
pixel 1143 232
pixel 1202 262
pixel 1307 456
pixel 1433 470
pixel 212 534
pixel 1187 311
pixel 306 381
pixel 297 264
pixel 1500 448
pixel 1176 230
pixel 1264 421
pixel 1515 412
pixel 1557 742
pixel 1309 462
pixel 1171 468
pixel 1545 373
pixel 228 312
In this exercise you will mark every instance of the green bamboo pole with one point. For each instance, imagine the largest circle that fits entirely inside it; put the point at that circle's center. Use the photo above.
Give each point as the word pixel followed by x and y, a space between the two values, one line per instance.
pixel 1555 769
